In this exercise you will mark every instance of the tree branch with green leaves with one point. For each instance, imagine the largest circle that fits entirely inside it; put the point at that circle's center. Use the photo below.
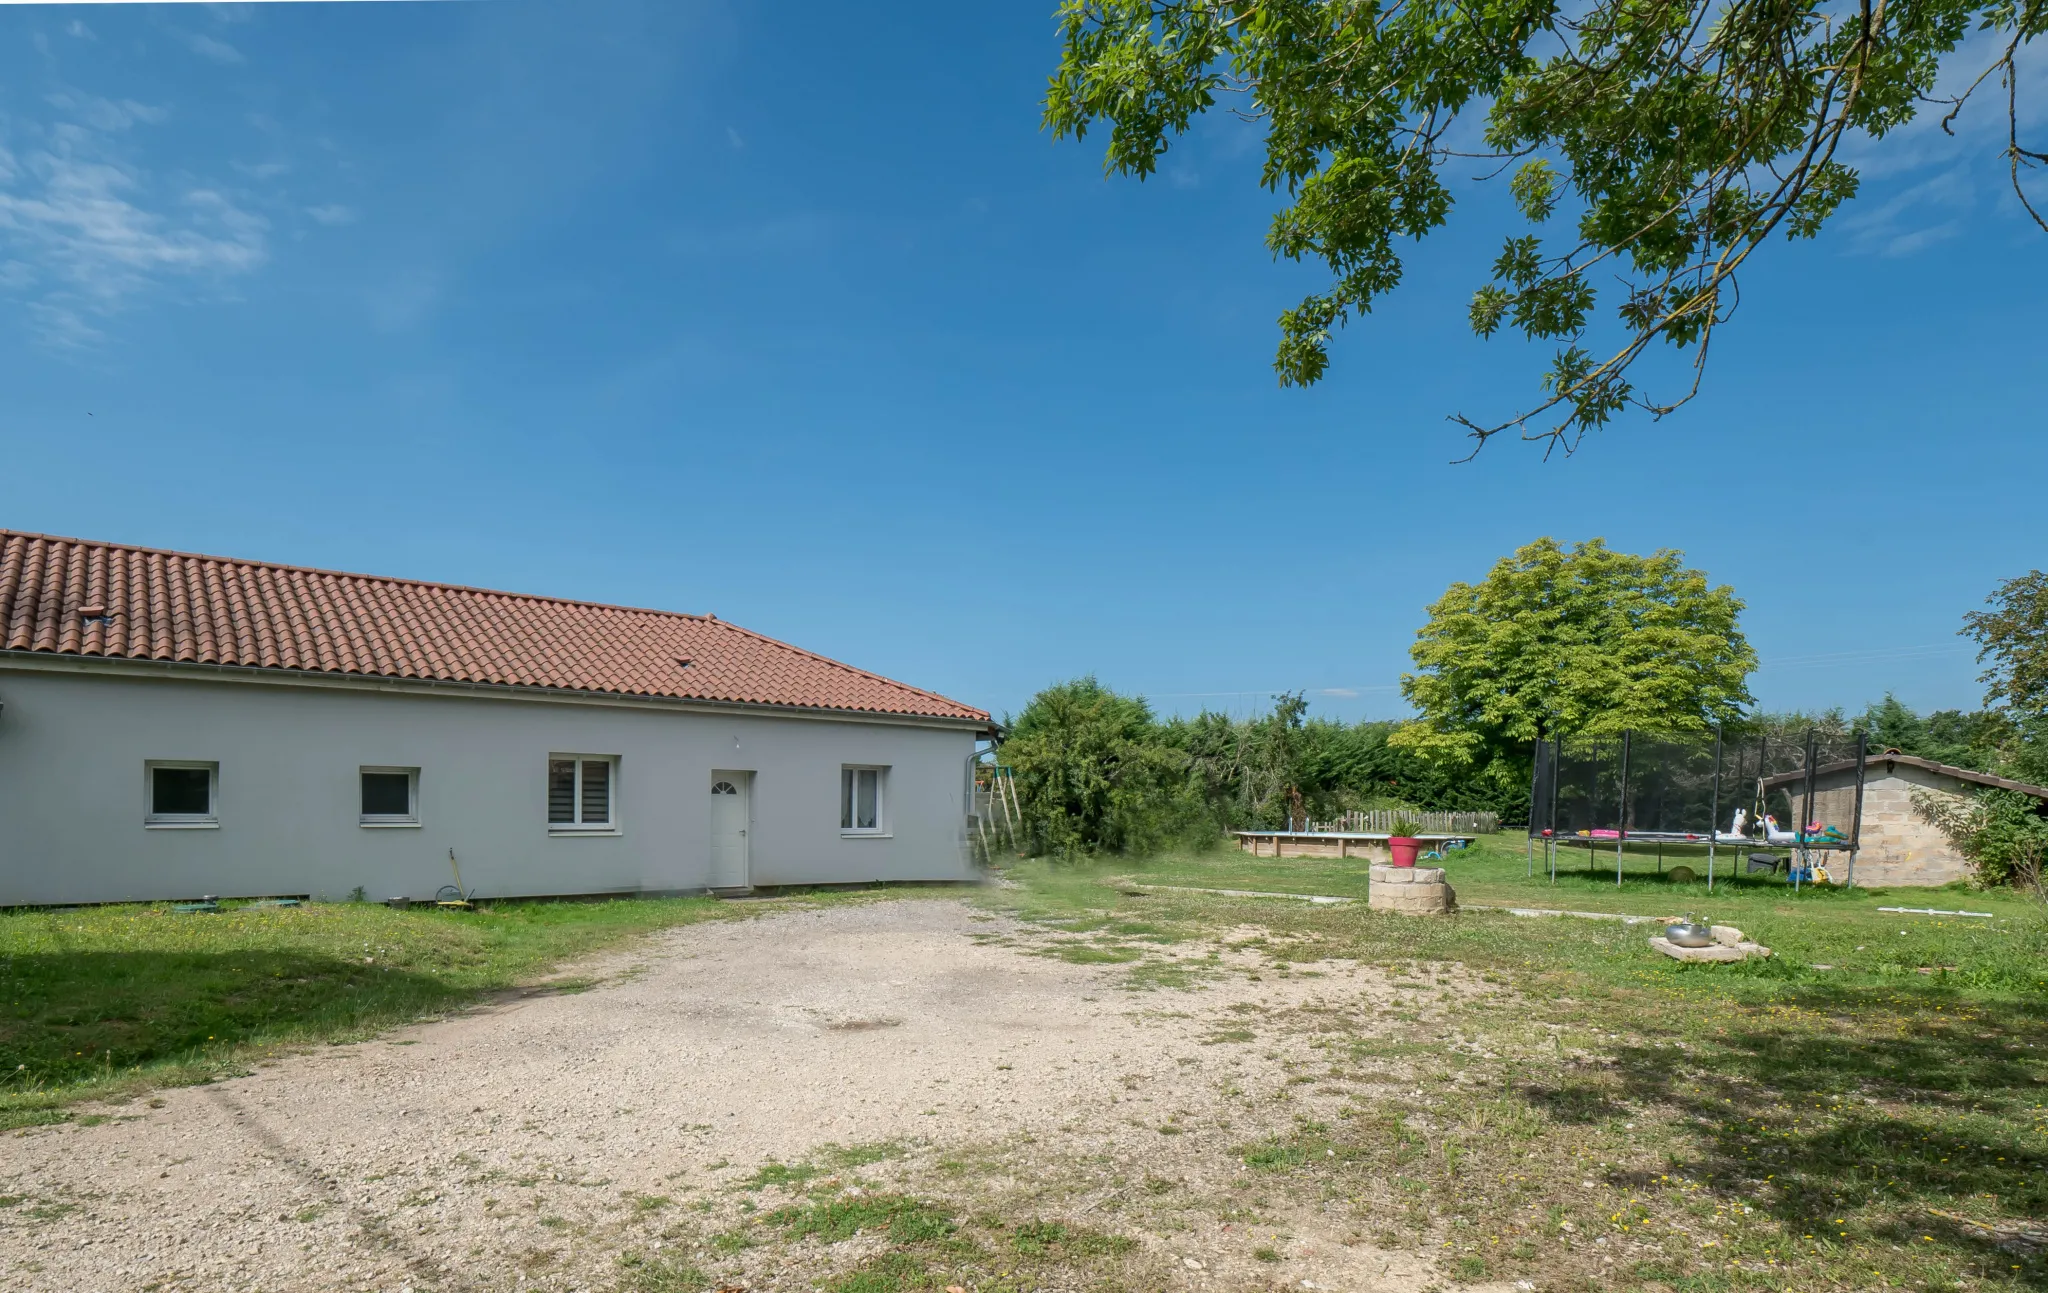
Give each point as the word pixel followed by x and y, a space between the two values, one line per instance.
pixel 1686 133
pixel 2012 644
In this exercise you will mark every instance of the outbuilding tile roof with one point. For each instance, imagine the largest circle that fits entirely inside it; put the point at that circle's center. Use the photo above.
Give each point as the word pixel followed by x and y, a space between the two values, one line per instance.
pixel 78 598
pixel 1889 758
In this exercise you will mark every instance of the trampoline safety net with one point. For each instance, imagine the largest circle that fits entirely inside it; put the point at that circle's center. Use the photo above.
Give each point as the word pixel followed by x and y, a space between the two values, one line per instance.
pixel 1645 787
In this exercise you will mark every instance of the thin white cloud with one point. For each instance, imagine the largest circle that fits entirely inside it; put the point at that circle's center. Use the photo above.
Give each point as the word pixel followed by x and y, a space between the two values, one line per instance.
pixel 1920 181
pixel 106 114
pixel 406 301
pixel 218 50
pixel 332 214
pixel 1977 131
pixel 1914 217
pixel 799 232
pixel 84 231
pixel 79 30
pixel 733 137
pixel 1906 244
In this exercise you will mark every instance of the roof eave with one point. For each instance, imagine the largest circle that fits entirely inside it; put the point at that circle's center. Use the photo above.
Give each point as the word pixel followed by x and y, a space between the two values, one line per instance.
pixel 70 662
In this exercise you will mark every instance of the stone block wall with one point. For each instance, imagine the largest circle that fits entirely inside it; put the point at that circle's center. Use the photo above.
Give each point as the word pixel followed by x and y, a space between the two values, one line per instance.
pixel 1411 890
pixel 1899 847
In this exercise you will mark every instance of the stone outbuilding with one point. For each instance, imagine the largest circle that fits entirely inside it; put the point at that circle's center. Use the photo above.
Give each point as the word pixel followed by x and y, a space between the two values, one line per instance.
pixel 1898 845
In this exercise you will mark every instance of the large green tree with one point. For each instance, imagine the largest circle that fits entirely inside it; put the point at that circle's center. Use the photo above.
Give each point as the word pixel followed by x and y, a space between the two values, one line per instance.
pixel 1680 134
pixel 1579 641
pixel 2012 642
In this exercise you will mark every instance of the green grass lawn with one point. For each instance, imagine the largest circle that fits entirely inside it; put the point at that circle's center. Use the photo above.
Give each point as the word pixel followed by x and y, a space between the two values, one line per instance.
pixel 1597 1117
pixel 97 1001
pixel 1624 1120
pixel 1822 924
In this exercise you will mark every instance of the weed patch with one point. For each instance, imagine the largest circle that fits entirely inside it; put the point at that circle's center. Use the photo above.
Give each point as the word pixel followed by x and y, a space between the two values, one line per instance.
pixel 1090 954
pixel 1057 1239
pixel 905 1219
pixel 889 1273
pixel 850 1156
pixel 787 1175
pixel 643 1275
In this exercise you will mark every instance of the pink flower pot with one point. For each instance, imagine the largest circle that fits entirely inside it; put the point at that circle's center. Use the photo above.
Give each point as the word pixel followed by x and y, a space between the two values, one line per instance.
pixel 1404 848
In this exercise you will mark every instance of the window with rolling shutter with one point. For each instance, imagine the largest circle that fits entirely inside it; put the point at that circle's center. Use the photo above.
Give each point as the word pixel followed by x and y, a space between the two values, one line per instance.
pixel 561 792
pixel 581 789
pixel 597 792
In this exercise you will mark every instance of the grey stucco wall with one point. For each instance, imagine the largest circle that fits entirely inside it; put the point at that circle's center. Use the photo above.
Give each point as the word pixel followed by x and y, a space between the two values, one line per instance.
pixel 73 748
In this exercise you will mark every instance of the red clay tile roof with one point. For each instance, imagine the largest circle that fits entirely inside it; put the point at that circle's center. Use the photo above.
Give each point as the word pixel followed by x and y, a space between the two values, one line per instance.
pixel 175 606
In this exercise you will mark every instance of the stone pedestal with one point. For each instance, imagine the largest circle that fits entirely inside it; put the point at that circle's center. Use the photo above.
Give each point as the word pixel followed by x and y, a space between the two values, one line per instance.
pixel 1718 952
pixel 1729 945
pixel 1413 890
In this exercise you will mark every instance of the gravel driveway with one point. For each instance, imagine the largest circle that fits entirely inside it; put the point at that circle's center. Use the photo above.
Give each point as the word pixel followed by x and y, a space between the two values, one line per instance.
pixel 512 1146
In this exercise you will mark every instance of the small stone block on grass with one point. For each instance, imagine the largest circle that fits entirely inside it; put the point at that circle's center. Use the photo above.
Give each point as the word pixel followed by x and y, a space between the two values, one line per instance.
pixel 1718 952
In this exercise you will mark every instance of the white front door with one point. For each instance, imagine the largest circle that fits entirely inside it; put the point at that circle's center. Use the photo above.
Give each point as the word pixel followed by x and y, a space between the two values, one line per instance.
pixel 729 829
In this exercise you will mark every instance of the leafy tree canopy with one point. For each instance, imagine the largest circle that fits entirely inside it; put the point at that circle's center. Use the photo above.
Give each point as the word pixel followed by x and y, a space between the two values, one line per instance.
pixel 1984 740
pixel 1681 134
pixel 2012 640
pixel 1579 641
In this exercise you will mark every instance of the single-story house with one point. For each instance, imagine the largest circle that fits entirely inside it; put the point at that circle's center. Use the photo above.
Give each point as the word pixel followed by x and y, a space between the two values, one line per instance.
pixel 1897 845
pixel 174 726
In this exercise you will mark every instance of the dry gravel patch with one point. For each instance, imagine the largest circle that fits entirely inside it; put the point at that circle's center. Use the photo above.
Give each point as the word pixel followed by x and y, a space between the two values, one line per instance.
pixel 533 1141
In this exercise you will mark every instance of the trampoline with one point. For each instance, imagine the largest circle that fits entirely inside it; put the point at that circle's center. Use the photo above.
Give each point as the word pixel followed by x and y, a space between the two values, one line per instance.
pixel 1729 789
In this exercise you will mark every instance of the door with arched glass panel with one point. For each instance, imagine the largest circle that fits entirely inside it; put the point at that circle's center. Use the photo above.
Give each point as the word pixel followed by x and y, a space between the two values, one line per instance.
pixel 729 813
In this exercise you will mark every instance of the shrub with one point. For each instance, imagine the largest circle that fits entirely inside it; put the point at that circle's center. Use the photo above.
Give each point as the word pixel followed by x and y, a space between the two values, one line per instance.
pixel 2001 832
pixel 1094 776
pixel 1097 772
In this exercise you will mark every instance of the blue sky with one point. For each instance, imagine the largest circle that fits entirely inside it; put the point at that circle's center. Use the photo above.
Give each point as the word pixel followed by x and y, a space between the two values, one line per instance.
pixel 794 315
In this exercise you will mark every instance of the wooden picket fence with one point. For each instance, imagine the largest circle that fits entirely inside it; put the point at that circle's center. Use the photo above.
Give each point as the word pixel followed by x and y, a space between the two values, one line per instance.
pixel 1382 819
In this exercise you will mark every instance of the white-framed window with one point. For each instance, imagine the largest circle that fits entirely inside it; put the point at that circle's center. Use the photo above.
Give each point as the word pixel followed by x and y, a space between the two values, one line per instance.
pixel 389 796
pixel 181 792
pixel 583 792
pixel 863 801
